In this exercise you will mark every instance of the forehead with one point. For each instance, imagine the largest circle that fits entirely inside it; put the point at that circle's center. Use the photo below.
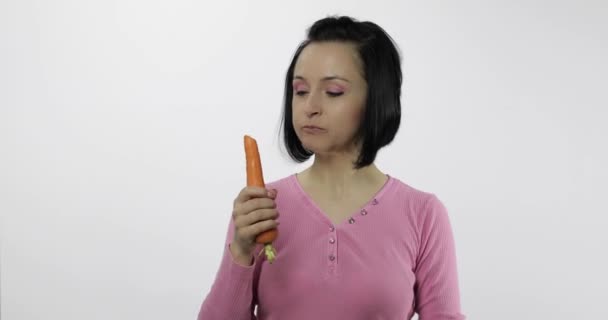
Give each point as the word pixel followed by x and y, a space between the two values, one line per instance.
pixel 320 59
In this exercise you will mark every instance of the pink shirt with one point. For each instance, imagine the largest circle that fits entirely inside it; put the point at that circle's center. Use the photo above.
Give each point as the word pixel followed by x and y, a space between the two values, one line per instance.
pixel 392 258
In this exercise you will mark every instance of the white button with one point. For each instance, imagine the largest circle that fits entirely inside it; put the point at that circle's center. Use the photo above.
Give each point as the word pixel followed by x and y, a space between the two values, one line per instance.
pixel 332 257
pixel 332 240
pixel 363 212
pixel 331 228
pixel 351 220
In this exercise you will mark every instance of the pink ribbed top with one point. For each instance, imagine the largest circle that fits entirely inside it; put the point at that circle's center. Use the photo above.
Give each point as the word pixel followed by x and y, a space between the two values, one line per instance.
pixel 392 258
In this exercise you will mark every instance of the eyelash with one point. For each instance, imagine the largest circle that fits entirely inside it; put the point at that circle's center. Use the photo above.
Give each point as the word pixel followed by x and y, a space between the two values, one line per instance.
pixel 331 94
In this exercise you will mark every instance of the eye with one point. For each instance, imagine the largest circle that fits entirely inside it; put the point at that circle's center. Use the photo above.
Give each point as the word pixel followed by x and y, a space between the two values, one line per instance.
pixel 334 94
pixel 301 93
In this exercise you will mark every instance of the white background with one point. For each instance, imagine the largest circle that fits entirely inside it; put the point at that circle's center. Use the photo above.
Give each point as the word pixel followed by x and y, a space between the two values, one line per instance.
pixel 121 146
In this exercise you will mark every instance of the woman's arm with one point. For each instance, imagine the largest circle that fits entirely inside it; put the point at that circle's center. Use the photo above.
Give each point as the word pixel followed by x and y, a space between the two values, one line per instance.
pixel 436 289
pixel 231 295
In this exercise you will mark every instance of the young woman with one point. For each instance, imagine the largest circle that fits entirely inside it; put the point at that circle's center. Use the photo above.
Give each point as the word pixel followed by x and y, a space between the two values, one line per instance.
pixel 354 242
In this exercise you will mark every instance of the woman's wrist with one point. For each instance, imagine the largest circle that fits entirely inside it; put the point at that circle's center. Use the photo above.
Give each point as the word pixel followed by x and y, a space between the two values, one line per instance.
pixel 241 256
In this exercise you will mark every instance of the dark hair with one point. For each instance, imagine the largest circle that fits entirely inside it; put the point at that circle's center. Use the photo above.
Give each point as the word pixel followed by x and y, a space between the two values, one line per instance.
pixel 382 72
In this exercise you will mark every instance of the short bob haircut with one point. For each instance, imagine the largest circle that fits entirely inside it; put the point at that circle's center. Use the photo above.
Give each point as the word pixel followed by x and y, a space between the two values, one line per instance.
pixel 382 72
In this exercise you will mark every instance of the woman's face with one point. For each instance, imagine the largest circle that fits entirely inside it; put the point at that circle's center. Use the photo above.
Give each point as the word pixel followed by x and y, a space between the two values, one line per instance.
pixel 329 92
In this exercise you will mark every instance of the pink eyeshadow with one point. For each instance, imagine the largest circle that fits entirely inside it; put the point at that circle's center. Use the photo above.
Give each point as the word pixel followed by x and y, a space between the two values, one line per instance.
pixel 298 86
pixel 337 88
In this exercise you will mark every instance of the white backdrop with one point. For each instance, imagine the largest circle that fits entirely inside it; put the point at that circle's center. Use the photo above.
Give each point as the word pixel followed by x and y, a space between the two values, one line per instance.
pixel 121 146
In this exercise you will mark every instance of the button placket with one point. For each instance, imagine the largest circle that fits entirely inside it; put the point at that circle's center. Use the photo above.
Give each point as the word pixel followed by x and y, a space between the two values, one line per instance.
pixel 332 245
pixel 331 250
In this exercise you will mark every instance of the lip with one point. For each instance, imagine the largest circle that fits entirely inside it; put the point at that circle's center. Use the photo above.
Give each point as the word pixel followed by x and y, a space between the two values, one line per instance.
pixel 313 129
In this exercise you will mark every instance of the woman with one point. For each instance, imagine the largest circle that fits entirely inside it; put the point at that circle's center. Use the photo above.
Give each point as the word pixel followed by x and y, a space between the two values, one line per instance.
pixel 354 242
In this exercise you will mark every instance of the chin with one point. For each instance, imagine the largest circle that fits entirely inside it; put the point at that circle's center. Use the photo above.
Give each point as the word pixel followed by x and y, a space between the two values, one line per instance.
pixel 315 143
pixel 316 148
pixel 312 147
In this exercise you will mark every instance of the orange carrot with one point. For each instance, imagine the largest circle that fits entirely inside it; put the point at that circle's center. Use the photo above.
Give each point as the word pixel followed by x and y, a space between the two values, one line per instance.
pixel 255 177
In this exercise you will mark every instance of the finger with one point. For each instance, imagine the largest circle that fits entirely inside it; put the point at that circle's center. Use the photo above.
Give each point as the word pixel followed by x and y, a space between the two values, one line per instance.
pixel 251 206
pixel 255 204
pixel 257 216
pixel 250 192
pixel 255 229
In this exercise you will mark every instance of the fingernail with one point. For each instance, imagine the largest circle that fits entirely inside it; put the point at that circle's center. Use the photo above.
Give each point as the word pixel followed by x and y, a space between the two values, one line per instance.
pixel 272 193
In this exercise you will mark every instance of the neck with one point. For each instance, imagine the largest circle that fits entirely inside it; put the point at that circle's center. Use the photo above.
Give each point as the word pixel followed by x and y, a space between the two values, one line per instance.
pixel 335 175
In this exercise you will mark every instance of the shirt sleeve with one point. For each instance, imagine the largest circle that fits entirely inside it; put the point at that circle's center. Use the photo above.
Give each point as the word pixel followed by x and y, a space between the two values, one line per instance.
pixel 231 296
pixel 436 288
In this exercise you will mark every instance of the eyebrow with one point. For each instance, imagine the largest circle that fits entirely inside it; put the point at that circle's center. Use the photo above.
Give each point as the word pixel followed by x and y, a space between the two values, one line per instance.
pixel 324 78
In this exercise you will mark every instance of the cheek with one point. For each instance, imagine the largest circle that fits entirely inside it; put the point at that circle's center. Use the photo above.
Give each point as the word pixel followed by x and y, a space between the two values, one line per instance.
pixel 353 113
pixel 296 105
pixel 356 114
pixel 353 119
pixel 295 112
pixel 358 110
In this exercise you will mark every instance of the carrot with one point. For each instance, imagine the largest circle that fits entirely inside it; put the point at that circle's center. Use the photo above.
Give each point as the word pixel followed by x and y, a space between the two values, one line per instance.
pixel 255 177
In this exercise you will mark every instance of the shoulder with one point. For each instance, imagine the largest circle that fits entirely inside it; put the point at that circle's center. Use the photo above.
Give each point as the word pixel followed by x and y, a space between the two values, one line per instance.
pixel 422 206
pixel 413 197
pixel 281 182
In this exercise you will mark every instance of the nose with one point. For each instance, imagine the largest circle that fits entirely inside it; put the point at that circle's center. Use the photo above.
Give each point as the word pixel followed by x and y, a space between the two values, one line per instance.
pixel 312 105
